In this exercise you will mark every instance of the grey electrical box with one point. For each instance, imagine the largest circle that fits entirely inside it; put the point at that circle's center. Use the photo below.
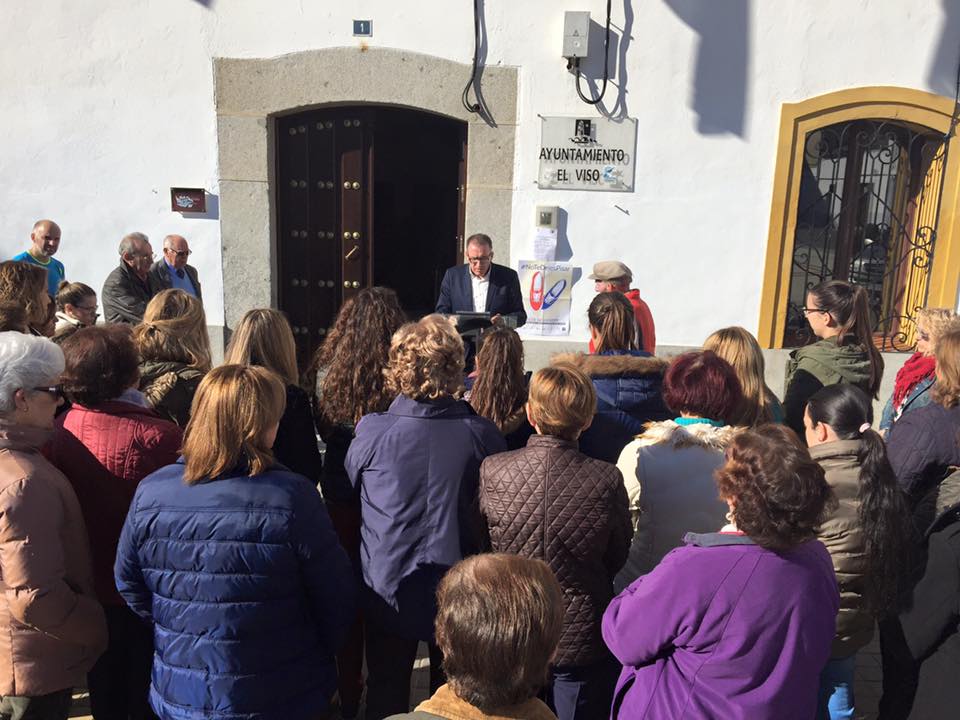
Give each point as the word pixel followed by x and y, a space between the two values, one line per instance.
pixel 576 32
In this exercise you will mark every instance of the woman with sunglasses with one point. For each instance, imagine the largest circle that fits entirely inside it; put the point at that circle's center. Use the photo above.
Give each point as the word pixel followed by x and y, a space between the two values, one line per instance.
pixel 911 389
pixel 106 443
pixel 52 624
pixel 839 316
pixel 76 308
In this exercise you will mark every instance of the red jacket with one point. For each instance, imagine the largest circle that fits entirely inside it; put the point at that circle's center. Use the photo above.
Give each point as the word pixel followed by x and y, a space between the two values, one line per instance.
pixel 644 320
pixel 105 451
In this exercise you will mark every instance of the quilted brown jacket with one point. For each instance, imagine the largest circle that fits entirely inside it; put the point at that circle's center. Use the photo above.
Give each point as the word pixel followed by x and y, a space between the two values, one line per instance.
pixel 550 501
pixel 52 628
pixel 842 534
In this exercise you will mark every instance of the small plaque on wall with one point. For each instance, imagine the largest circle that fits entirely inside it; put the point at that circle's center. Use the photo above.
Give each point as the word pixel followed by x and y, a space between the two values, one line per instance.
pixel 188 200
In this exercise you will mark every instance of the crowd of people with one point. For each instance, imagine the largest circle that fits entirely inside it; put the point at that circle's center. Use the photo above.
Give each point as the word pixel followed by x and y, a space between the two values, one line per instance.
pixel 614 535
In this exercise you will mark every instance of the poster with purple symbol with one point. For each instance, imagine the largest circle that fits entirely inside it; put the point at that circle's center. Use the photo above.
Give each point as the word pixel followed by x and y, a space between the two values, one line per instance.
pixel 545 287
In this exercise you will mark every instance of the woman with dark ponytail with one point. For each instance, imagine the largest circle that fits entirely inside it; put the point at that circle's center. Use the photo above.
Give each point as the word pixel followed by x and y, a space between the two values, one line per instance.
pixel 839 315
pixel 628 380
pixel 867 534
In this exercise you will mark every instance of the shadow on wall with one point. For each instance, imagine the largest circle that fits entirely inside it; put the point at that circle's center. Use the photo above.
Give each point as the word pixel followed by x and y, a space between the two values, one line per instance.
pixel 617 76
pixel 943 70
pixel 720 81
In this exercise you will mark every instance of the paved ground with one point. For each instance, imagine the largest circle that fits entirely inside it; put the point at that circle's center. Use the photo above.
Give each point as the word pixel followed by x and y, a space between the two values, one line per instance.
pixel 868 679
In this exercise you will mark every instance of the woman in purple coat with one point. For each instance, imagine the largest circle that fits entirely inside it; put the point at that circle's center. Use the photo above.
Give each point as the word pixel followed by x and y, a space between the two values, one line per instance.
pixel 737 623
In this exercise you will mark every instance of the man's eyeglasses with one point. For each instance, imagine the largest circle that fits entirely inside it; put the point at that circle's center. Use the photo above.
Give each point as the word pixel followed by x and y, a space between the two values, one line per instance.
pixel 180 253
pixel 55 390
pixel 479 260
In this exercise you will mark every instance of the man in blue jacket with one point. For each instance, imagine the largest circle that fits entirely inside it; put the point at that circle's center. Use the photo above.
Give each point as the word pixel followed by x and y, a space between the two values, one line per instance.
pixel 481 286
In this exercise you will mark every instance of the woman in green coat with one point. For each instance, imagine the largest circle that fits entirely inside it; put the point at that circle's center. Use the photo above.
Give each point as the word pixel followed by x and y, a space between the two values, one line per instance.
pixel 839 316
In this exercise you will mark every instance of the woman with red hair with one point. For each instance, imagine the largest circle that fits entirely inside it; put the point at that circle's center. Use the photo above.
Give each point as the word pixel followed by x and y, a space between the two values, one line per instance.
pixel 668 469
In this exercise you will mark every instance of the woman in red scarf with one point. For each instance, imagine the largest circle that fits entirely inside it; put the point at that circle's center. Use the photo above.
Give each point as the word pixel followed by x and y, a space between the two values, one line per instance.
pixel 911 390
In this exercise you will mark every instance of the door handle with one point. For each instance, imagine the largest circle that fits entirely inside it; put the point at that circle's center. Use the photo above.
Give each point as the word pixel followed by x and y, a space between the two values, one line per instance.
pixel 353 251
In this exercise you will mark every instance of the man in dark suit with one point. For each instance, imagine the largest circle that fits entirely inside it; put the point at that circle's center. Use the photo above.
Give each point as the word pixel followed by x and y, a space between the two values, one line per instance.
pixel 172 270
pixel 481 286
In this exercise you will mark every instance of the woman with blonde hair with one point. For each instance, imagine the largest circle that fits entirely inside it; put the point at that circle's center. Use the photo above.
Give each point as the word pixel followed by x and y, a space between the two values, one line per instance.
pixel 417 467
pixel 923 444
pixel 174 352
pixel 741 349
pixel 227 544
pixel 911 389
pixel 499 391
pixel 263 337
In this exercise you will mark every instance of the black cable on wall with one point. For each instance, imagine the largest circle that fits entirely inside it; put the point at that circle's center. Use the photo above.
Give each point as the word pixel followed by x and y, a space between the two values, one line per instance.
pixel 606 66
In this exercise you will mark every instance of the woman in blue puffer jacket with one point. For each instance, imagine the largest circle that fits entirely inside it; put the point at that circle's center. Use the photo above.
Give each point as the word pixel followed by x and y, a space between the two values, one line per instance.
pixel 627 379
pixel 233 559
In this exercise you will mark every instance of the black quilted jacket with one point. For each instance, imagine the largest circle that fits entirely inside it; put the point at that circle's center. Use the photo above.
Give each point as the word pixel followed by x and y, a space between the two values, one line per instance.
pixel 550 501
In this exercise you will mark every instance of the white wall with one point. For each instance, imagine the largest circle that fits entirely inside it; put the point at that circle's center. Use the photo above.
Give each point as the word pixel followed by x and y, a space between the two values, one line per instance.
pixel 108 103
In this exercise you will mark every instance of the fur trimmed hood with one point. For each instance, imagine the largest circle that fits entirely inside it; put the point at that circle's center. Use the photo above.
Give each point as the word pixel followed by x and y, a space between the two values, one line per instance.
pixel 619 365
pixel 680 436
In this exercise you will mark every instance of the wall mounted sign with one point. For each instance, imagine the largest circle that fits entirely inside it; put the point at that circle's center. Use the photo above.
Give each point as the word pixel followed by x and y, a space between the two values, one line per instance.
pixel 587 154
pixel 188 200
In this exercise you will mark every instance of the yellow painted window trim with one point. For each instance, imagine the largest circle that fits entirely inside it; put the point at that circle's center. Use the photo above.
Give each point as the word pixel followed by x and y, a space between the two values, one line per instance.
pixel 798 119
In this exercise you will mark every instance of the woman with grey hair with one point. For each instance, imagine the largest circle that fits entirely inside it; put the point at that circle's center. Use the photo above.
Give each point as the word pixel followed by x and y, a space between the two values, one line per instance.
pixel 53 625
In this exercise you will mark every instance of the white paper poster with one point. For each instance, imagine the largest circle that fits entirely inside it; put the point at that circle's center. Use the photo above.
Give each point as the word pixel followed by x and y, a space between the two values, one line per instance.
pixel 545 244
pixel 546 289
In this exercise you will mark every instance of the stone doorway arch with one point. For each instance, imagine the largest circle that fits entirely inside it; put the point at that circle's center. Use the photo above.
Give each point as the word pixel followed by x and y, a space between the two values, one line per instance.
pixel 250 93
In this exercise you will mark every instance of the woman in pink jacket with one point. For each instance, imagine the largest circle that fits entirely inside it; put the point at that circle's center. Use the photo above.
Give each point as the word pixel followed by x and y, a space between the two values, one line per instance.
pixel 52 625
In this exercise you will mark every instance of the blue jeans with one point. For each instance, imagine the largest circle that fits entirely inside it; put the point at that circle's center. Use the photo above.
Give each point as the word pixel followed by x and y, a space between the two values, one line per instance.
pixel 835 700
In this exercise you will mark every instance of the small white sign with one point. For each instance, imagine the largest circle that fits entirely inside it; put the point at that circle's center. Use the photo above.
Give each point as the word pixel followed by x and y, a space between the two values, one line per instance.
pixel 587 154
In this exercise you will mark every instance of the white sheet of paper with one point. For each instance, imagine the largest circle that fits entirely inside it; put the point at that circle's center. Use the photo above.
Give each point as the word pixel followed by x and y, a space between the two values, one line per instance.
pixel 545 244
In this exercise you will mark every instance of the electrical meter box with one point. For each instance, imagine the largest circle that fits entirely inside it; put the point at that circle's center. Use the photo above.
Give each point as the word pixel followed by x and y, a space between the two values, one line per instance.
pixel 576 32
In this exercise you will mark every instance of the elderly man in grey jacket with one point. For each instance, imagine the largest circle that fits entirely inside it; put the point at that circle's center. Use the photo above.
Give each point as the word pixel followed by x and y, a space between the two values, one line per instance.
pixel 126 291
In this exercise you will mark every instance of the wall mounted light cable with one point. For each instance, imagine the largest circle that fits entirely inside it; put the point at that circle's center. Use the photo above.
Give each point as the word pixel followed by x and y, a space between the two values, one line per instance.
pixel 606 66
pixel 480 106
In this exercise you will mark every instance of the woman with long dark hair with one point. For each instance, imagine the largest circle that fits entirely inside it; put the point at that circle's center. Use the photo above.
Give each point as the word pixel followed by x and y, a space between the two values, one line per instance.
pixel 839 315
pixel 627 379
pixel 499 391
pixel 348 382
pixel 867 534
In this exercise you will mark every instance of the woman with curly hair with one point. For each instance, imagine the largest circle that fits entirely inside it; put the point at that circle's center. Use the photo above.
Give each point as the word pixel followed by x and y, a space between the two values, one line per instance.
pixel 347 373
pixel 26 285
pixel 499 390
pixel 737 623
pixel 417 467
pixel 174 352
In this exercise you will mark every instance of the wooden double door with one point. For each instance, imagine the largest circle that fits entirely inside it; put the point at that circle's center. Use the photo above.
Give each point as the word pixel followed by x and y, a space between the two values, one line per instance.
pixel 366 195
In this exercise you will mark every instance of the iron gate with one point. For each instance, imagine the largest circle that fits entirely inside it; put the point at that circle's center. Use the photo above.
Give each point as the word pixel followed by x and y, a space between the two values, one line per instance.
pixel 868 210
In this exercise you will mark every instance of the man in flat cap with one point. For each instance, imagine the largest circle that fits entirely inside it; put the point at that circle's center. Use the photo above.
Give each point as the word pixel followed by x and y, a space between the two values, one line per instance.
pixel 614 276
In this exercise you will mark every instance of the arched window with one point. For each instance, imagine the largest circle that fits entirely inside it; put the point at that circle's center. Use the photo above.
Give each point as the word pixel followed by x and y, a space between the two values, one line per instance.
pixel 864 192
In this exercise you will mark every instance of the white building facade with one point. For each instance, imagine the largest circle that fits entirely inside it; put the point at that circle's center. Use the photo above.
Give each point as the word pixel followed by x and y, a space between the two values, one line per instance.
pixel 747 157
